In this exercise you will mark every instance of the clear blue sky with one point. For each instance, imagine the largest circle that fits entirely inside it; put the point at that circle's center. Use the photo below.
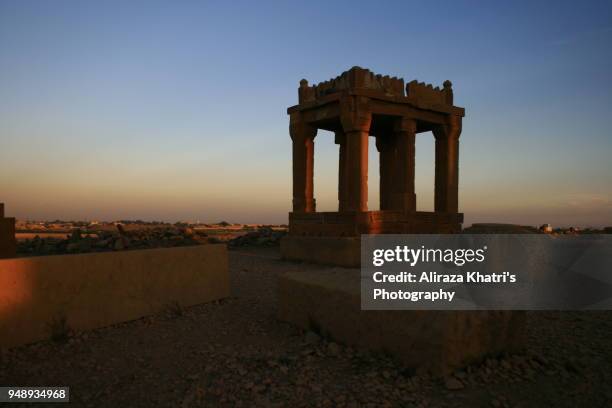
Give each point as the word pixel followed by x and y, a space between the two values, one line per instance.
pixel 177 110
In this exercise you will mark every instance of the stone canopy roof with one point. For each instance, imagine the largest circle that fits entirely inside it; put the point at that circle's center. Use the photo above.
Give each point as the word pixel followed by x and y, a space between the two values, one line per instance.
pixel 358 78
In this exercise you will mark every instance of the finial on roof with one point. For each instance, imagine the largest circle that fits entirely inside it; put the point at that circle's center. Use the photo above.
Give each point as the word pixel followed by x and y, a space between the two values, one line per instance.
pixel 447 84
pixel 303 83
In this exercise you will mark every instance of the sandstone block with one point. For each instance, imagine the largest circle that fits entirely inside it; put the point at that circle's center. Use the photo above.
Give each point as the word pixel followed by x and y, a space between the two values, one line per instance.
pixel 87 291
pixel 436 342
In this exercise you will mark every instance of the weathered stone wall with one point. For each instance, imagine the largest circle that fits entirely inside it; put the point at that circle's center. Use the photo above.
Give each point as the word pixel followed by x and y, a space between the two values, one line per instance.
pixel 96 290
pixel 436 342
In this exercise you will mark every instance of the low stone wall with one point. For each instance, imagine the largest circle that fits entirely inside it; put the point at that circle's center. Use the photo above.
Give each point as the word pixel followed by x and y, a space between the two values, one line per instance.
pixel 88 291
pixel 436 342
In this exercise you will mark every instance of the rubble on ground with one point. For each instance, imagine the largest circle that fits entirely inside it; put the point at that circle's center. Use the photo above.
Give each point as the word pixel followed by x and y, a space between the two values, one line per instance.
pixel 263 236
pixel 236 353
pixel 123 238
pixel 103 241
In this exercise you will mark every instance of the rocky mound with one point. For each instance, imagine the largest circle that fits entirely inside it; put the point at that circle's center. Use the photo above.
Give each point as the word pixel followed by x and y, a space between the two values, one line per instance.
pixel 263 236
pixel 102 241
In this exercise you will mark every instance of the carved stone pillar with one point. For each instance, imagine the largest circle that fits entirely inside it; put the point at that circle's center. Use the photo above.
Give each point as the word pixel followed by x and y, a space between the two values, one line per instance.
pixel 404 197
pixel 356 119
pixel 385 144
pixel 357 170
pixel 303 136
pixel 446 197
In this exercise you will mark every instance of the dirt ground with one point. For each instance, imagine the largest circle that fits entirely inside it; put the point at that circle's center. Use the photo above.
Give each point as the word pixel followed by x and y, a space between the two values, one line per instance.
pixel 236 353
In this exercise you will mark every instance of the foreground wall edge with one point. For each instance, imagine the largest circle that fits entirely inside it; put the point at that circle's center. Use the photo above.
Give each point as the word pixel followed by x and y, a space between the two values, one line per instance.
pixel 100 289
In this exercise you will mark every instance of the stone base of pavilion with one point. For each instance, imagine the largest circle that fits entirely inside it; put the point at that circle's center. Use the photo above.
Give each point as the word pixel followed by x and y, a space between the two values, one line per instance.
pixel 332 238
pixel 434 342
pixel 355 223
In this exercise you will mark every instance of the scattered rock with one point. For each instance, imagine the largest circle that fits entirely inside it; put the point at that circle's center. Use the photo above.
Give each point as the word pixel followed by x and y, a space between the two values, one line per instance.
pixel 453 384
pixel 282 366
pixel 119 240
pixel 333 349
pixel 311 337
pixel 263 236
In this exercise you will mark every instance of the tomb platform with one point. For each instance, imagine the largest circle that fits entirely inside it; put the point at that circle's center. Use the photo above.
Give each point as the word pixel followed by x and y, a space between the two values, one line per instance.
pixel 333 238
pixel 43 296
pixel 355 106
pixel 355 223
pixel 328 302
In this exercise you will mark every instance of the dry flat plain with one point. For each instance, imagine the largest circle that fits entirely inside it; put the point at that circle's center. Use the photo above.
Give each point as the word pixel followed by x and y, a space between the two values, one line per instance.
pixel 236 353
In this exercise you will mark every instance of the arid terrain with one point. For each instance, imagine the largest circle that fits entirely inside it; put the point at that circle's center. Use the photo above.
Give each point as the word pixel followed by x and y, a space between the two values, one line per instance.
pixel 236 353
pixel 55 238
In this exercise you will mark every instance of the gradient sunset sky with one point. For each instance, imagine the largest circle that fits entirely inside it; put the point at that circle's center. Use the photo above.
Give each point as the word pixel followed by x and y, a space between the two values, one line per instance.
pixel 176 110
